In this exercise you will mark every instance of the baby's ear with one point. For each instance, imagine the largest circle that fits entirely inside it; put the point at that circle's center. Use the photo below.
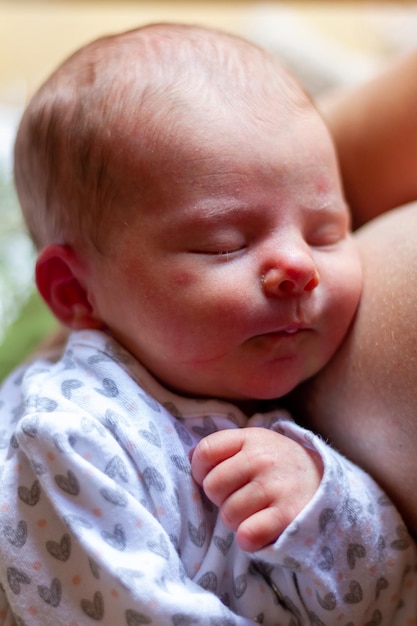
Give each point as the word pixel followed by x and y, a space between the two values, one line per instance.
pixel 59 278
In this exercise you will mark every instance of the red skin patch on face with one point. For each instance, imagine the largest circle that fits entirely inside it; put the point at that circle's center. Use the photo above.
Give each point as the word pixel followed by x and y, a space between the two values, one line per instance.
pixel 182 279
pixel 322 184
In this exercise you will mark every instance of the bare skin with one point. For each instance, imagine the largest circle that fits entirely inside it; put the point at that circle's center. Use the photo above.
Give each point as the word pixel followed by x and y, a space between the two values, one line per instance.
pixel 258 478
pixel 365 399
pixel 374 126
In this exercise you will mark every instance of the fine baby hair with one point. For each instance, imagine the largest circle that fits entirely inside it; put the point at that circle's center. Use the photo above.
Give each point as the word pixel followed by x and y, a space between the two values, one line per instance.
pixel 67 168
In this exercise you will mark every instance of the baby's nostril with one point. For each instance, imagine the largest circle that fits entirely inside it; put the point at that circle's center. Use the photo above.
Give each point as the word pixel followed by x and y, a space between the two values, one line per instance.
pixel 287 286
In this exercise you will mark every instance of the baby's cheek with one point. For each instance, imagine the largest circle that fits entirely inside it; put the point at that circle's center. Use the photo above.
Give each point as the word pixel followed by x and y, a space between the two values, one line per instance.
pixel 183 279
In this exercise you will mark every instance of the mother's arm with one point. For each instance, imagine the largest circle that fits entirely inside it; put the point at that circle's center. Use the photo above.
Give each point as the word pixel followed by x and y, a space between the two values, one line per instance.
pixel 375 130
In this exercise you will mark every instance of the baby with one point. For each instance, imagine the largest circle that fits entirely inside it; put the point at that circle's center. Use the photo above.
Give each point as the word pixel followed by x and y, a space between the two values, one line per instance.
pixel 184 196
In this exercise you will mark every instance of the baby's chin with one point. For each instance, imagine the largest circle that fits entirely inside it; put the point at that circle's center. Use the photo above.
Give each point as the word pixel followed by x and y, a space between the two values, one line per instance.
pixel 263 400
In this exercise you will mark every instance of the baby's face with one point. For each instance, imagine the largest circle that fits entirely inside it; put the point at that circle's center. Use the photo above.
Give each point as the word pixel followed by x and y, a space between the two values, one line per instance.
pixel 241 279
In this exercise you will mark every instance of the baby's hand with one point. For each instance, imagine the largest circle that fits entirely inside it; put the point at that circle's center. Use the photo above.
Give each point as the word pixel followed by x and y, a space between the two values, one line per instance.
pixel 260 479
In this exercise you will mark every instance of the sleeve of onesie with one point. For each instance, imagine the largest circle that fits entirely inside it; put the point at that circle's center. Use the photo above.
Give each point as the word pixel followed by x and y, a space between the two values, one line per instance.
pixel 79 542
pixel 348 554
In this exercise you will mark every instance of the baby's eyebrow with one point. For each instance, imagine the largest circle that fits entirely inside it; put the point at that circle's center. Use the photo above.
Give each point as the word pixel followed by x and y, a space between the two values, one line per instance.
pixel 207 212
pixel 330 209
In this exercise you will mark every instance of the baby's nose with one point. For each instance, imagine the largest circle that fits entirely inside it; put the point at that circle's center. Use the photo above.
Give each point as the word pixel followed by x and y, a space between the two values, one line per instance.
pixel 290 279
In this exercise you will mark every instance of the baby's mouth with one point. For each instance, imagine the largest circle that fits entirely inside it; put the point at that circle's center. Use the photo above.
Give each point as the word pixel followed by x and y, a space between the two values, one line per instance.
pixel 290 330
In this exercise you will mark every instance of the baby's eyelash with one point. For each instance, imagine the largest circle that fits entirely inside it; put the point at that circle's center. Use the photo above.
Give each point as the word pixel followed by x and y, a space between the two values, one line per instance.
pixel 218 251
pixel 223 252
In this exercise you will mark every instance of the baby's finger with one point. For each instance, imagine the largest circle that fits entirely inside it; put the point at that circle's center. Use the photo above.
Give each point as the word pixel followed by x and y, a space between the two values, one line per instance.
pixel 225 479
pixel 214 449
pixel 244 502
pixel 261 529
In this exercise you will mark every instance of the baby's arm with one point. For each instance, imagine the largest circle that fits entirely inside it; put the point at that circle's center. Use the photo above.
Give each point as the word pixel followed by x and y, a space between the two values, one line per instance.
pixel 374 127
pixel 347 551
pixel 89 532
pixel 259 478
pixel 79 544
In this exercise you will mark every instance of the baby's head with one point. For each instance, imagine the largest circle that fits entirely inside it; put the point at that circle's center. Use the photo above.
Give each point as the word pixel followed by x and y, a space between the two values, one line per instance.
pixel 131 92
pixel 184 195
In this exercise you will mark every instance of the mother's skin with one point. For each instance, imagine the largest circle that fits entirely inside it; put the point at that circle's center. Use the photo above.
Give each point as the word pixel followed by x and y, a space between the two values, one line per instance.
pixel 365 400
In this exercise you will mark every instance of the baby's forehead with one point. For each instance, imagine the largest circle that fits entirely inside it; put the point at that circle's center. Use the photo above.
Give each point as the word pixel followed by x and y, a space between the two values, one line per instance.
pixel 138 101
pixel 174 59
pixel 166 125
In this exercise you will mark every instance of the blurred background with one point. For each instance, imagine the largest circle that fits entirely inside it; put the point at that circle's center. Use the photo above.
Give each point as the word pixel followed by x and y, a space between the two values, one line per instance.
pixel 328 44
